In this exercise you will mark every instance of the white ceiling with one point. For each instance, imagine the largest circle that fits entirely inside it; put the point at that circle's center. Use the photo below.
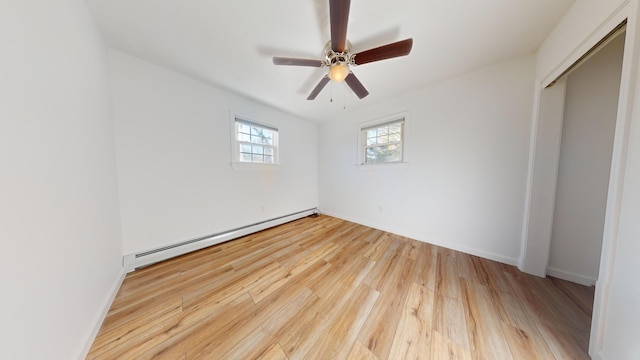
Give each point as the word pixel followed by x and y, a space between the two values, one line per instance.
pixel 229 43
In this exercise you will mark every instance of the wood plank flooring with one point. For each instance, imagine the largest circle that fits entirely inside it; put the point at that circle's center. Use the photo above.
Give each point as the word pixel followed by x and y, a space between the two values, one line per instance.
pixel 325 288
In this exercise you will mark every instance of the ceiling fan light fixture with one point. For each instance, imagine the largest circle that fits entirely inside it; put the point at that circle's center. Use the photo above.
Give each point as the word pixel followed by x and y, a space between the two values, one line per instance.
pixel 338 72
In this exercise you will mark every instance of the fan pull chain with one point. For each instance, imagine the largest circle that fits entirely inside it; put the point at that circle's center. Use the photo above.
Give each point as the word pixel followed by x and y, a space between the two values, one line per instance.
pixel 344 98
pixel 331 99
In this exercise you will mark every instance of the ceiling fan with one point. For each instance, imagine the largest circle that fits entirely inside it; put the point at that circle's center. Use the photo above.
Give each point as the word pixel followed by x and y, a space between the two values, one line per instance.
pixel 338 55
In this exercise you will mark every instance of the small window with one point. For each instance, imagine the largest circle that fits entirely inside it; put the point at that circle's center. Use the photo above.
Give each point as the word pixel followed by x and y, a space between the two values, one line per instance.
pixel 383 143
pixel 255 143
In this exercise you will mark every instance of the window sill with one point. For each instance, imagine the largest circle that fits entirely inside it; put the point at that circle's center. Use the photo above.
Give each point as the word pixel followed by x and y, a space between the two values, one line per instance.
pixel 384 166
pixel 254 166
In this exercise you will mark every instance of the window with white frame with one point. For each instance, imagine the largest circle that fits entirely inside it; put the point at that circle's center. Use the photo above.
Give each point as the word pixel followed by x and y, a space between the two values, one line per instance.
pixel 255 143
pixel 383 142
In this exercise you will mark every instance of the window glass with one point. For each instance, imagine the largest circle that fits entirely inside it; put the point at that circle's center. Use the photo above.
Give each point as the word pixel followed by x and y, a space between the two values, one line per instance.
pixel 383 143
pixel 256 143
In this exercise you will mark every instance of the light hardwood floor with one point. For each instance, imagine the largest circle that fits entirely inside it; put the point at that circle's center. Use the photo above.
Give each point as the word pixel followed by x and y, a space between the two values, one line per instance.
pixel 325 288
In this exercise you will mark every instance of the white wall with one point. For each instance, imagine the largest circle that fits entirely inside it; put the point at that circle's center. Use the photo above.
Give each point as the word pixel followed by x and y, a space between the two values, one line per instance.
pixel 585 161
pixel 59 221
pixel 463 186
pixel 173 142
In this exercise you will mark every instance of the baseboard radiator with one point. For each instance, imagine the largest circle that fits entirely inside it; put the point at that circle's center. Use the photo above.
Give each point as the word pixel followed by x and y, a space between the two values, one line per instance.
pixel 138 260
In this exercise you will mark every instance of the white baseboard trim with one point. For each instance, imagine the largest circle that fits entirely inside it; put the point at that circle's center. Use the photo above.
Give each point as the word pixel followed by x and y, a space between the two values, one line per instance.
pixel 97 323
pixel 466 250
pixel 570 276
pixel 144 258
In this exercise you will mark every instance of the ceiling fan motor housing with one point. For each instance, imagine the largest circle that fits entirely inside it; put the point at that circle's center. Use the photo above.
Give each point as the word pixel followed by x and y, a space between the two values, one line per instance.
pixel 343 58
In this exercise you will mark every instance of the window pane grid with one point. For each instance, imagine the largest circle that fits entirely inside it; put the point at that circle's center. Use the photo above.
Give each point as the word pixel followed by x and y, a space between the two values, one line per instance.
pixel 256 153
pixel 256 137
pixel 383 144
pixel 256 144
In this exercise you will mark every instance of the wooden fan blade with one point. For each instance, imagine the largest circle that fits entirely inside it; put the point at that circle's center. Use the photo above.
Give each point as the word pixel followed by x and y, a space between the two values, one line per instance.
pixel 296 62
pixel 356 86
pixel 339 17
pixel 400 48
pixel 323 82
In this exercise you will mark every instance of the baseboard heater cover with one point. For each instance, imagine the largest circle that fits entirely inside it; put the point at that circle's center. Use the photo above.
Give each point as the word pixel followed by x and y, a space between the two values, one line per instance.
pixel 145 258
